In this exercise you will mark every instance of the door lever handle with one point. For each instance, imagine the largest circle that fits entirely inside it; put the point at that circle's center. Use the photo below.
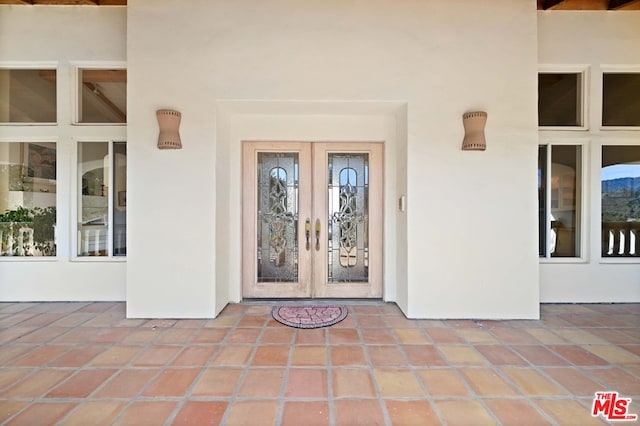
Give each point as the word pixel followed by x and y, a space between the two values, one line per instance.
pixel 307 231
pixel 317 234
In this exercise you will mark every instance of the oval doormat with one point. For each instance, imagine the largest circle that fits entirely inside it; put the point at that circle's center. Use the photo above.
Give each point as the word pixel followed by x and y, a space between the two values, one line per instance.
pixel 307 316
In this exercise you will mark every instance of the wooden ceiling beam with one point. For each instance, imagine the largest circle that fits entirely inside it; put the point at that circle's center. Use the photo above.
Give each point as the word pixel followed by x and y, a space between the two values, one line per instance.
pixel 547 4
pixel 624 4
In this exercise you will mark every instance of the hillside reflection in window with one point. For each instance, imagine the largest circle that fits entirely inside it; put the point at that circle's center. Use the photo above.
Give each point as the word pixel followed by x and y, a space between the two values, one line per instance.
pixel 620 180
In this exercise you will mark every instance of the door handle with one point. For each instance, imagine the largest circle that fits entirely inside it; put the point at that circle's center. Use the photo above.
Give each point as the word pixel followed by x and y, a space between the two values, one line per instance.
pixel 307 231
pixel 317 234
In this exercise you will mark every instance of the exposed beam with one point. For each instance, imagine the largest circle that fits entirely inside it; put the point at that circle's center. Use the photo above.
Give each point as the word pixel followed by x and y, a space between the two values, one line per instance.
pixel 547 4
pixel 624 4
pixel 113 107
pixel 581 5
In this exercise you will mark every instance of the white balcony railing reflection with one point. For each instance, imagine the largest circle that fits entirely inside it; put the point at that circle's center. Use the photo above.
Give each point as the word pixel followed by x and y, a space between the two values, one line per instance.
pixel 621 239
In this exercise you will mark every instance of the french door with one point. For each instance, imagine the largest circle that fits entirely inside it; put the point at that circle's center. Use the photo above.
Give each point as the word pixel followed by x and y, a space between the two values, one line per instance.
pixel 312 220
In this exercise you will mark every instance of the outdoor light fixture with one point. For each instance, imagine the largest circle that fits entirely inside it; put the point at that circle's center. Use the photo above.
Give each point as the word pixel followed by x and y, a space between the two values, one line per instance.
pixel 474 123
pixel 169 122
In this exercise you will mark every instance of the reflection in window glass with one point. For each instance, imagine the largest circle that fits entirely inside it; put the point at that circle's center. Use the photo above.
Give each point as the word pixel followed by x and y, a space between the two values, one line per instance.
pixel 93 202
pixel 621 99
pixel 119 195
pixel 559 99
pixel 27 198
pixel 563 206
pixel 27 96
pixel 620 181
pixel 103 96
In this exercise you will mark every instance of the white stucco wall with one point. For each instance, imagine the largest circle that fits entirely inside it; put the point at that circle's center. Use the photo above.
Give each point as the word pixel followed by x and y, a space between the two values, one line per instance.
pixel 594 41
pixel 470 224
pixel 61 37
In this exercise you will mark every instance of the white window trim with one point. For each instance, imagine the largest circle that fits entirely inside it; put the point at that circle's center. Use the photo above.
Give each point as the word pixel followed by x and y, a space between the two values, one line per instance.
pixel 585 71
pixel 77 189
pixel 76 67
pixel 584 201
pixel 597 222
pixel 36 65
pixel 614 69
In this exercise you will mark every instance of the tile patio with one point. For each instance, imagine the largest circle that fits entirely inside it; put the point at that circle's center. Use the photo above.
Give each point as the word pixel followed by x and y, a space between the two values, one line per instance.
pixel 85 364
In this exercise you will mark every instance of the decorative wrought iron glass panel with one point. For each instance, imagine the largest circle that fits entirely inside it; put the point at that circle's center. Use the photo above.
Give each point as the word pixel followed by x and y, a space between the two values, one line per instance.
pixel 277 226
pixel 348 220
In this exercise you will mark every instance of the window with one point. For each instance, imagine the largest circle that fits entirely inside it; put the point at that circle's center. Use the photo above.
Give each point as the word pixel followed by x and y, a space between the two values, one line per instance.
pixel 27 198
pixel 559 200
pixel 102 199
pixel 27 96
pixel 620 180
pixel 102 96
pixel 560 99
pixel 621 99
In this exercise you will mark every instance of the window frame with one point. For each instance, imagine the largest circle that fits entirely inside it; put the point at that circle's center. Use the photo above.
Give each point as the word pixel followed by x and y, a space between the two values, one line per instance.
pixel 76 92
pixel 585 77
pixel 36 65
pixel 613 69
pixel 77 191
pixel 582 205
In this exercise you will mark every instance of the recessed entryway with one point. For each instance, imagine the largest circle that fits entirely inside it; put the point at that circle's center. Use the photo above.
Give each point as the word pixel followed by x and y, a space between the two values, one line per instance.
pixel 312 219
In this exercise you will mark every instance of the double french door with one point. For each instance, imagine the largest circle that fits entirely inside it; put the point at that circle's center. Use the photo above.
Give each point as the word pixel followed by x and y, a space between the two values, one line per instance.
pixel 312 219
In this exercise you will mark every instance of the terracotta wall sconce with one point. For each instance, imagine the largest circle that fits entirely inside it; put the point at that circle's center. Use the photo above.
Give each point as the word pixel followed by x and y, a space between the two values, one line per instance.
pixel 169 122
pixel 474 123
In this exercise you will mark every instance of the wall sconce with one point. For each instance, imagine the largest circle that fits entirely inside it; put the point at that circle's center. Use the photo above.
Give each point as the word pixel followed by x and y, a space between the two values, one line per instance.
pixel 169 123
pixel 474 123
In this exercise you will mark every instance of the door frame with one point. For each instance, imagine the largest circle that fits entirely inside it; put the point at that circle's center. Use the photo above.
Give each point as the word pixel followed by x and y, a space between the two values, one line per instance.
pixel 312 282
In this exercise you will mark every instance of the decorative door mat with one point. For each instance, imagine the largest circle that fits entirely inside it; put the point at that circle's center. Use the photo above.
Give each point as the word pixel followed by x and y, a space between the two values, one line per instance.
pixel 309 316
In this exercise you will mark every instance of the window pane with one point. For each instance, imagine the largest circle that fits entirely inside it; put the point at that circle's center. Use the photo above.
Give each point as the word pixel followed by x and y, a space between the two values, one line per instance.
pixel 559 99
pixel 565 201
pixel 27 198
pixel 620 201
pixel 621 99
pixel 104 96
pixel 93 203
pixel 120 199
pixel 542 203
pixel 27 96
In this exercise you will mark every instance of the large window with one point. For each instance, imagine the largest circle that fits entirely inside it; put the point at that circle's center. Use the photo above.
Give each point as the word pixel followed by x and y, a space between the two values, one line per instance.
pixel 620 179
pixel 560 99
pixel 27 96
pixel 27 198
pixel 102 199
pixel 559 200
pixel 621 99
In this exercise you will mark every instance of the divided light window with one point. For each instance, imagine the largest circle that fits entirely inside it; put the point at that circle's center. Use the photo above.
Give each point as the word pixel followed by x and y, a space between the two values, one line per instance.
pixel 560 100
pixel 620 99
pixel 620 180
pixel 102 199
pixel 102 96
pixel 559 200
pixel 28 198
pixel 28 96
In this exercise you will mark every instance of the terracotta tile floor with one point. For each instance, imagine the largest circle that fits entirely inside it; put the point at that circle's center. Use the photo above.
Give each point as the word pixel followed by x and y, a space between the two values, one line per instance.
pixel 85 364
